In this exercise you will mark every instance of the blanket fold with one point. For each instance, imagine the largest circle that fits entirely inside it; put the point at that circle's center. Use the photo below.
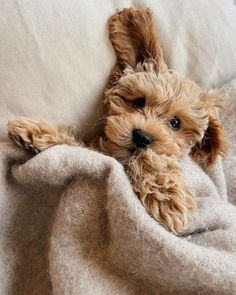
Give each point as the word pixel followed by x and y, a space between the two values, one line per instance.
pixel 71 224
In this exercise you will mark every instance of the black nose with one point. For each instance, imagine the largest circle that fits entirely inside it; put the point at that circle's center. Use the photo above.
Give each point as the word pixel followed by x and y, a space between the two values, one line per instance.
pixel 141 139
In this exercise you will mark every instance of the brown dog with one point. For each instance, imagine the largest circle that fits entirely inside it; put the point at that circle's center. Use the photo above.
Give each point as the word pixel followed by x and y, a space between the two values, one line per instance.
pixel 154 118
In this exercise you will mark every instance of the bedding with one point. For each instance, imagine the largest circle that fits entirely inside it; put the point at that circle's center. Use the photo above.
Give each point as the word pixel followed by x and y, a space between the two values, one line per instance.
pixel 69 220
pixel 55 56
pixel 71 224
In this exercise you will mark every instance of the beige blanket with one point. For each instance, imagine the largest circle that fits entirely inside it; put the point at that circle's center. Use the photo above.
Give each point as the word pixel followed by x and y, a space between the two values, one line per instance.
pixel 71 224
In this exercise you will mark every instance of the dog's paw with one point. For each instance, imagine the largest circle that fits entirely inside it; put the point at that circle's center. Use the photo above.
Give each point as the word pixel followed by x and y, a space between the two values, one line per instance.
pixel 158 181
pixel 171 207
pixel 32 135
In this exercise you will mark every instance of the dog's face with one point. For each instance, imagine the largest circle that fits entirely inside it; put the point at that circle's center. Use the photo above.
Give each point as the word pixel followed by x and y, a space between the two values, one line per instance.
pixel 151 107
pixel 156 110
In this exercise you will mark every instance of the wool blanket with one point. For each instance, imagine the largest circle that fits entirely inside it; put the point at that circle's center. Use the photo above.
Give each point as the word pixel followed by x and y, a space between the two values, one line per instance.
pixel 71 224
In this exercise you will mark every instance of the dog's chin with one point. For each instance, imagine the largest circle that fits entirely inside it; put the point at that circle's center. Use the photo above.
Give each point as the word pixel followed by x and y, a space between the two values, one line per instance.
pixel 135 151
pixel 125 154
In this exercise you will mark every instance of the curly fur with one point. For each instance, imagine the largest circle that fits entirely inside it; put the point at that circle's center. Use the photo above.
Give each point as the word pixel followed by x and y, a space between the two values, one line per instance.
pixel 140 71
pixel 38 135
pixel 158 181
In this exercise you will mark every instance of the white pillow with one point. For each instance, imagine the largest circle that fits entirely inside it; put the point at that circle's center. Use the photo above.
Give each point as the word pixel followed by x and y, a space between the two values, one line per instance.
pixel 55 56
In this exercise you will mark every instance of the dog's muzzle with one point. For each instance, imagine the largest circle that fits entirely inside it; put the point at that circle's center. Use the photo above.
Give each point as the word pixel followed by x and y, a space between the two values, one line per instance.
pixel 141 139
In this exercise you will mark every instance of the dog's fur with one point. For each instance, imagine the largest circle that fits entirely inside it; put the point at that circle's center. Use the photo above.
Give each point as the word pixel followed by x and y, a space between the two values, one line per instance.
pixel 140 71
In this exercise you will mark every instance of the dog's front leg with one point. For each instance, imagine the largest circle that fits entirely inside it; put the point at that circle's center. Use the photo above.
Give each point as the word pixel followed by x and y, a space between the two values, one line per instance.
pixel 37 135
pixel 157 179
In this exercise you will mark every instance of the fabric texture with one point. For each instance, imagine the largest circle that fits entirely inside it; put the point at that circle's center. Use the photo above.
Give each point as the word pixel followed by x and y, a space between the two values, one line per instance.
pixel 69 220
pixel 55 56
pixel 71 224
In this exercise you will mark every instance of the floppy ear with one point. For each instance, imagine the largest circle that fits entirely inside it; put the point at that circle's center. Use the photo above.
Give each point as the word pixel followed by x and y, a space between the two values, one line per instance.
pixel 214 142
pixel 133 36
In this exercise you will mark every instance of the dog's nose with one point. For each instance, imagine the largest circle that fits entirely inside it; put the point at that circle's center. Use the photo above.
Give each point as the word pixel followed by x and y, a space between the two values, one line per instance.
pixel 141 139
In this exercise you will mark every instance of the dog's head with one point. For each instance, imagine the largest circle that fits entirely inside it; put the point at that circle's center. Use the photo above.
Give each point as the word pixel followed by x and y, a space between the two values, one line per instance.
pixel 152 107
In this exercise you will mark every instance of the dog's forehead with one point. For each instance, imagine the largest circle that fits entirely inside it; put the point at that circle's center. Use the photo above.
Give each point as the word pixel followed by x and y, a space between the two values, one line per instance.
pixel 167 84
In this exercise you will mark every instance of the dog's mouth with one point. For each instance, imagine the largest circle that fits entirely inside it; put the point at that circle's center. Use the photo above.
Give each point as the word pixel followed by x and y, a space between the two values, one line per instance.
pixel 135 151
pixel 122 152
pixel 132 150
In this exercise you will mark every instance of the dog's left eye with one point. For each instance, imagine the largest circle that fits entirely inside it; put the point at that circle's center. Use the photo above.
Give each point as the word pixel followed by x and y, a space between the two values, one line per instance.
pixel 139 103
pixel 175 123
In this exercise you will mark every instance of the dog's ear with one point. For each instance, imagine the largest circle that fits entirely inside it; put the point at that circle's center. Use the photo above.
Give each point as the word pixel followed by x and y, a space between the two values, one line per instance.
pixel 214 142
pixel 134 38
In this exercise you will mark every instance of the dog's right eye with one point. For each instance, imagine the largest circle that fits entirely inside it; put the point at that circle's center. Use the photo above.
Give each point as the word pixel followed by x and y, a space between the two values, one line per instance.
pixel 139 103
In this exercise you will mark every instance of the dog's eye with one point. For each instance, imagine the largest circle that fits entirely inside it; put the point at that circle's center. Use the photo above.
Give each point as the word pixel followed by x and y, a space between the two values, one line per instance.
pixel 139 103
pixel 175 123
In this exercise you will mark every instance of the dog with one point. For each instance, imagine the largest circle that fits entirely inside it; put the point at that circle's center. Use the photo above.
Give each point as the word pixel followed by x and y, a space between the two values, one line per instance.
pixel 154 117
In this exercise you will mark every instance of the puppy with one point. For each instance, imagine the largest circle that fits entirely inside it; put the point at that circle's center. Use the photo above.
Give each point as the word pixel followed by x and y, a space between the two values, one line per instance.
pixel 154 117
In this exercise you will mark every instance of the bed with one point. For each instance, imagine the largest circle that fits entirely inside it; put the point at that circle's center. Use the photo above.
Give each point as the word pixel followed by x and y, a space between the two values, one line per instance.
pixel 70 222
